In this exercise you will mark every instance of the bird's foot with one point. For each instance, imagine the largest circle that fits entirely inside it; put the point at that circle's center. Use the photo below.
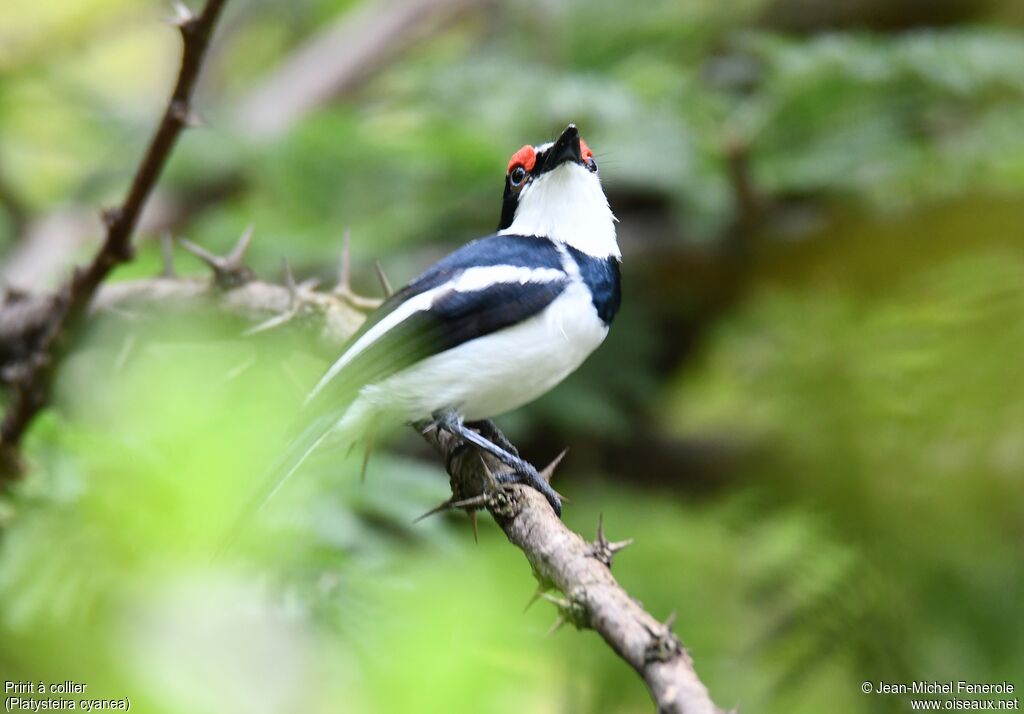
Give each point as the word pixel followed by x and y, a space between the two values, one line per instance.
pixel 521 471
pixel 529 476
pixel 490 431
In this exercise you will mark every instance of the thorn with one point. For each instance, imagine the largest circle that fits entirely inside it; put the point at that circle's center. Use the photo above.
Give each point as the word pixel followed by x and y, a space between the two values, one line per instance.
pixel 239 369
pixel 571 608
pixel 476 527
pixel 110 216
pixel 559 621
pixel 450 504
pixel 193 120
pixel 186 115
pixel 664 644
pixel 343 289
pixel 125 352
pixel 295 300
pixel 244 241
pixel 443 506
pixel 560 602
pixel 182 15
pixel 495 494
pixel 167 255
pixel 604 550
pixel 180 111
pixel 289 279
pixel 366 458
pixel 294 303
pixel 358 301
pixel 670 621
pixel 345 264
pixel 549 470
pixel 229 271
pixel 384 282
pixel 535 597
pixel 616 546
pixel 473 502
pixel 490 483
pixel 200 252
pixel 275 321
pixel 184 19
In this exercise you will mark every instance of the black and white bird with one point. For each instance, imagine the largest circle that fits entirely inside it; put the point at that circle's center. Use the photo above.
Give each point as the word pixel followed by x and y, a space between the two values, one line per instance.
pixel 490 327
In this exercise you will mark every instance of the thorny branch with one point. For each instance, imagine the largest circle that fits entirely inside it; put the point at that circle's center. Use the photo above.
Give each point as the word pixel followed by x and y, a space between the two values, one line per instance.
pixel 30 389
pixel 590 597
pixel 349 53
pixel 35 331
pixel 561 559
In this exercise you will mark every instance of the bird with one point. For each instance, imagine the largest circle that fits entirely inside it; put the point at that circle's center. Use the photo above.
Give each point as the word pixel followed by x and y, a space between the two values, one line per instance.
pixel 488 328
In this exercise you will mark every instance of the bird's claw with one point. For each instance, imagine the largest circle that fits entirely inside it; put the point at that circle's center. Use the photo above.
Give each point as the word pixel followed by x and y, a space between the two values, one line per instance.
pixel 527 475
pixel 521 471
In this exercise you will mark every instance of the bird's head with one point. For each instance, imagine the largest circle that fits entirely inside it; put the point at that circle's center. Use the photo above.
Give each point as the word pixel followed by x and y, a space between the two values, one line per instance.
pixel 553 190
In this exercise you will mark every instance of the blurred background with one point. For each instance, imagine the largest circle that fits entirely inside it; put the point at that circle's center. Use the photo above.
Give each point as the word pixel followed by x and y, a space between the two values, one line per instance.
pixel 809 412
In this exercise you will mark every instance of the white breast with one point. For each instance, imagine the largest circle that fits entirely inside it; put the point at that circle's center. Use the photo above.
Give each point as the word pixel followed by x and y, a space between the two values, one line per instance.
pixel 496 373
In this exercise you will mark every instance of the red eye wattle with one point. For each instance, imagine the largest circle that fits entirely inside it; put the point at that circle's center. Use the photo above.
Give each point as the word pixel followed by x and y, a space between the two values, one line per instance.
pixel 585 151
pixel 525 157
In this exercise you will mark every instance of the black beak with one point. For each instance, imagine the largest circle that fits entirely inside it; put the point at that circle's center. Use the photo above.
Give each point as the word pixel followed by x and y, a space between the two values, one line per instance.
pixel 565 148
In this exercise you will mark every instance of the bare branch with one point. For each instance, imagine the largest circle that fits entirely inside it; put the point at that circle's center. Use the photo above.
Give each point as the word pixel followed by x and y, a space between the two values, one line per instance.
pixel 31 389
pixel 48 245
pixel 342 57
pixel 23 317
pixel 591 597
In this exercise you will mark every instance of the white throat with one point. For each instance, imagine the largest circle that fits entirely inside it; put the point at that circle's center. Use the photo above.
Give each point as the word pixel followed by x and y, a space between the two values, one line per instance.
pixel 568 205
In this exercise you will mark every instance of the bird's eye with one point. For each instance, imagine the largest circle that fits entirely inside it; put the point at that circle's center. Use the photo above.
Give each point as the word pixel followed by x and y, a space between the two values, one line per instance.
pixel 592 165
pixel 517 176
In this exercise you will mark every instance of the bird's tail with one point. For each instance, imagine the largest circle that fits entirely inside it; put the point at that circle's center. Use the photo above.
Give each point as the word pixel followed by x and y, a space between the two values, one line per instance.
pixel 274 477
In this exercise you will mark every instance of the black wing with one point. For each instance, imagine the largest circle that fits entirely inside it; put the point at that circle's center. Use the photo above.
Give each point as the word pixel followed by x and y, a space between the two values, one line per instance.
pixel 454 317
pixel 514 250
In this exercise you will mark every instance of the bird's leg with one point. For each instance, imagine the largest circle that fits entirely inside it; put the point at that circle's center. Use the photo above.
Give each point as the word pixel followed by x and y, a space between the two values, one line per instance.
pixel 523 471
pixel 490 431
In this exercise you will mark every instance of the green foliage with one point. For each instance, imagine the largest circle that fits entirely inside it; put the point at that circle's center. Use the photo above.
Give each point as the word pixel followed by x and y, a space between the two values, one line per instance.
pixel 890 418
pixel 896 120
pixel 860 380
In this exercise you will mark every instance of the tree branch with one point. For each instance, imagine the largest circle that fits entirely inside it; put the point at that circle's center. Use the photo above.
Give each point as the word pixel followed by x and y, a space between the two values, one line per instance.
pixel 560 558
pixel 34 333
pixel 48 245
pixel 329 67
pixel 563 560
pixel 340 58
pixel 31 389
